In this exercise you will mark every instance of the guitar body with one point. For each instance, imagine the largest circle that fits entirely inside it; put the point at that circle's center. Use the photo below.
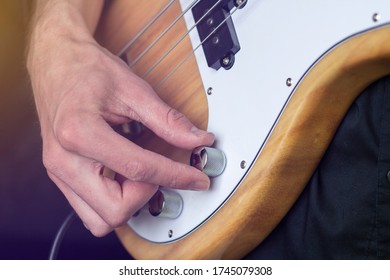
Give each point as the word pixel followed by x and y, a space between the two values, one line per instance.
pixel 300 66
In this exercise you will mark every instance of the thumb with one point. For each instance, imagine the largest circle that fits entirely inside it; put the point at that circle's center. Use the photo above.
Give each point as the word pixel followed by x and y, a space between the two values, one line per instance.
pixel 175 128
pixel 165 121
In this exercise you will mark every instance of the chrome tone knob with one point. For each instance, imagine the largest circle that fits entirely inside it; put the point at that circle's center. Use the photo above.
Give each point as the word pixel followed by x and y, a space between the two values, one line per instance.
pixel 209 160
pixel 166 204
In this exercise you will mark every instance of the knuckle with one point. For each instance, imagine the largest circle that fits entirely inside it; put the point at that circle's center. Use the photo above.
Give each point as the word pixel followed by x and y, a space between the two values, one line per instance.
pixel 176 123
pixel 174 116
pixel 136 171
pixel 115 222
pixel 172 178
pixel 174 183
pixel 50 159
pixel 52 177
pixel 69 132
pixel 48 162
pixel 117 217
pixel 175 180
pixel 100 230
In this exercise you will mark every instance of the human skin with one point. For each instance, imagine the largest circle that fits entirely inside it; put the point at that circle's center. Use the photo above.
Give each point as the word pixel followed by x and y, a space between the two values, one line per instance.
pixel 81 90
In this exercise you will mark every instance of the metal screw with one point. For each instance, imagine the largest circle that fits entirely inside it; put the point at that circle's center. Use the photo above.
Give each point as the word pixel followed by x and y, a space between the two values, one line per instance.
pixel 243 164
pixel 210 91
pixel 226 60
pixel 215 40
pixel 376 17
pixel 170 233
pixel 210 21
pixel 240 3
pixel 289 82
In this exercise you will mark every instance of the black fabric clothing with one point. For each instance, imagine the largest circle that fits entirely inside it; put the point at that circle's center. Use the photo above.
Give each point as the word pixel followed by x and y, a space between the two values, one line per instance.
pixel 344 212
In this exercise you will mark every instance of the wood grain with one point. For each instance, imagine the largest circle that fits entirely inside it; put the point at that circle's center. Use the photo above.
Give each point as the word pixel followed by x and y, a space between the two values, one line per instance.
pixel 292 152
pixel 184 89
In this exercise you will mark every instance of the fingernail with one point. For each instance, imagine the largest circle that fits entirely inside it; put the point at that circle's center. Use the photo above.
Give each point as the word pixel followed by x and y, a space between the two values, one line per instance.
pixel 201 133
pixel 199 186
pixel 196 130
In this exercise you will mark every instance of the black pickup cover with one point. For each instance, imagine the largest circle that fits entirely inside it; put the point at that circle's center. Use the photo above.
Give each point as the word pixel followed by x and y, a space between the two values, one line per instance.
pixel 223 43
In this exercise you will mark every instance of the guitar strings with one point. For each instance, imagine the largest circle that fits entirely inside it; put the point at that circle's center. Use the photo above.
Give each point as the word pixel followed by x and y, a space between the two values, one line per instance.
pixel 150 23
pixel 196 48
pixel 146 27
pixel 147 72
pixel 154 19
pixel 166 30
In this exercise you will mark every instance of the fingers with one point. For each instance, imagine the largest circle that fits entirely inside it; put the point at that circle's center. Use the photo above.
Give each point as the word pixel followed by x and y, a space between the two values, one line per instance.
pixel 75 102
pixel 125 157
pixel 175 128
pixel 103 204
pixel 90 218
pixel 166 122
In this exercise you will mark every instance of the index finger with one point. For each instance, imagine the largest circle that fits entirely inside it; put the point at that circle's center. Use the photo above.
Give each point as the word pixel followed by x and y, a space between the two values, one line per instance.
pixel 95 139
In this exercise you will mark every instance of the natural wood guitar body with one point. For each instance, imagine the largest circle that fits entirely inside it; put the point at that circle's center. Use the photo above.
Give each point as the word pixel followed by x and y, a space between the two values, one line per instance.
pixel 184 90
pixel 292 152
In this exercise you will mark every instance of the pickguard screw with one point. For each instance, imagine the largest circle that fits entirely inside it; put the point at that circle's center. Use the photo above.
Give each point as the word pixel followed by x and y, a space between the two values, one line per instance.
pixel 227 61
pixel 289 82
pixel 170 233
pixel 215 40
pixel 243 164
pixel 376 17
pixel 210 91
pixel 240 3
pixel 210 21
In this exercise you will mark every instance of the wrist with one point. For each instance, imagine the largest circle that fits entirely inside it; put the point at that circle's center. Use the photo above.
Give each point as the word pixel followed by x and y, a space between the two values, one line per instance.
pixel 56 22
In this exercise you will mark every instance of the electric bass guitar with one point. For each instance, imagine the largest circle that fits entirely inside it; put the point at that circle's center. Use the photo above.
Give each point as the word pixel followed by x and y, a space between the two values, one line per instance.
pixel 272 79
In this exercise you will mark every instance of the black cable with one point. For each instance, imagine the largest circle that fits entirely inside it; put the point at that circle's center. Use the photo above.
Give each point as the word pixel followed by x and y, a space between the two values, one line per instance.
pixel 60 235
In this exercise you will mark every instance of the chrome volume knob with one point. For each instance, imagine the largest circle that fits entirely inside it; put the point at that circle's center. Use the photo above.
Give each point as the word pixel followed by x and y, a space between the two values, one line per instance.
pixel 166 204
pixel 209 160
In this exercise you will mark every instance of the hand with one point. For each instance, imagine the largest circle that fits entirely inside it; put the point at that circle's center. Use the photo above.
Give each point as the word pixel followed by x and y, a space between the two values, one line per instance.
pixel 80 90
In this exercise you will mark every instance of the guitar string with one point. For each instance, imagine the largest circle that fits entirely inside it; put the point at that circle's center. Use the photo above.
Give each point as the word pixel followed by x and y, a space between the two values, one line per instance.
pixel 166 30
pixel 150 23
pixel 143 30
pixel 139 34
pixel 196 48
pixel 150 69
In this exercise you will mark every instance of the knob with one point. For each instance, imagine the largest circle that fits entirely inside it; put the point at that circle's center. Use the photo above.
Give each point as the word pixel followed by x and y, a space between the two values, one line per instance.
pixel 166 204
pixel 209 160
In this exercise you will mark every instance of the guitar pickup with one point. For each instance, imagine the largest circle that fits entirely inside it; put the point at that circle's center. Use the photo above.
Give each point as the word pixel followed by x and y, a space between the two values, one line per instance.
pixel 216 31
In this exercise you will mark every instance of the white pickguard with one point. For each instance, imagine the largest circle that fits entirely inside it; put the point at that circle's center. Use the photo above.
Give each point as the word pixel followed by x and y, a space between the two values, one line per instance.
pixel 279 39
